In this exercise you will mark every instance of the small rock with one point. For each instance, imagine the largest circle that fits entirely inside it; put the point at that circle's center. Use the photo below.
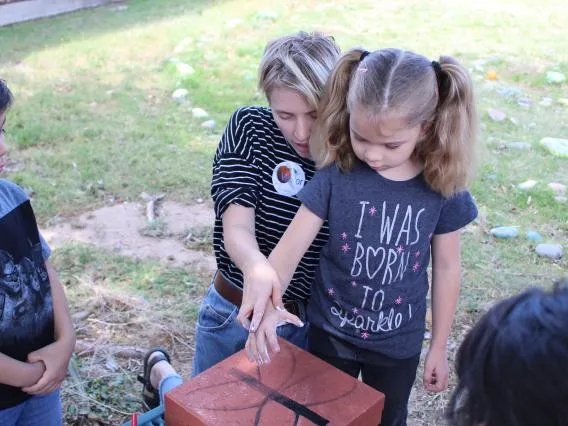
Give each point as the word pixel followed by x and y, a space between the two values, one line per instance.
pixel 184 69
pixel 427 335
pixel 546 101
pixel 209 124
pixel 171 258
pixel 199 200
pixel 560 199
pixel 556 146
pixel 514 120
pixel 180 94
pixel 504 232
pixel 525 103
pixel 199 113
pixel 521 146
pixel 527 185
pixel 496 115
pixel 510 92
pixel 557 187
pixel 555 77
pixel 553 251
pixel 111 364
pixel 533 236
pixel 80 316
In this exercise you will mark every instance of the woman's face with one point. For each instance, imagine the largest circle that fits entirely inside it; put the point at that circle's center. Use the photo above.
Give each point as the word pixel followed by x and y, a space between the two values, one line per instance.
pixel 294 116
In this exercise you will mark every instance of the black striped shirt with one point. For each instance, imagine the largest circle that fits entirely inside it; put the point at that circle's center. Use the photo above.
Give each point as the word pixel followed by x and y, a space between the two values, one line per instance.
pixel 250 150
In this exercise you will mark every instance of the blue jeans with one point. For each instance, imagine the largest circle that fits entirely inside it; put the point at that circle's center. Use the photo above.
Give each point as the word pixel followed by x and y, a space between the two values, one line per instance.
pixel 218 334
pixel 44 410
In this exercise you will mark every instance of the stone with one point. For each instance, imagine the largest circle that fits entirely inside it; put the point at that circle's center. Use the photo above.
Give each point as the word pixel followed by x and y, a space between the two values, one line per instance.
pixel 504 232
pixel 295 388
pixel 525 103
pixel 521 146
pixel 199 113
pixel 552 251
pixel 560 199
pixel 209 124
pixel 527 185
pixel 533 236
pixel 555 77
pixel 557 187
pixel 184 69
pixel 180 94
pixel 496 115
pixel 556 146
pixel 546 101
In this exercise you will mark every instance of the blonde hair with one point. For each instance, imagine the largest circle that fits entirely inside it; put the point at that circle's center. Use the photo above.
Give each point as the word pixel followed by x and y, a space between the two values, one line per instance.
pixel 301 62
pixel 437 95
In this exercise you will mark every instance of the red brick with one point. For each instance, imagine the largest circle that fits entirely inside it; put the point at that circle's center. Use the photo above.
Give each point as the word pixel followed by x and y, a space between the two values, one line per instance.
pixel 234 392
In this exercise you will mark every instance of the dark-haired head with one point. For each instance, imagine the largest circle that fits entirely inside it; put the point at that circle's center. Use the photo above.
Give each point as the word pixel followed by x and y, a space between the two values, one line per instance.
pixel 6 97
pixel 513 365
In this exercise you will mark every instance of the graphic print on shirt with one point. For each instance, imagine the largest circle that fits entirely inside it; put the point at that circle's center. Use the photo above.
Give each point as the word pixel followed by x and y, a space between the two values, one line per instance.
pixel 288 178
pixel 25 297
pixel 383 248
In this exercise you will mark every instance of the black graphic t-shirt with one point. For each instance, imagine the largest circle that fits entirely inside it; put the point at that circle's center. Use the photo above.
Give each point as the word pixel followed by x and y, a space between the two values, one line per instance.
pixel 26 309
pixel 371 285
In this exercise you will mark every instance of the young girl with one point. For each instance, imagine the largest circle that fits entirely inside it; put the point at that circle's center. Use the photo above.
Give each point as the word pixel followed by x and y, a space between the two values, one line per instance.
pixel 395 143
pixel 36 332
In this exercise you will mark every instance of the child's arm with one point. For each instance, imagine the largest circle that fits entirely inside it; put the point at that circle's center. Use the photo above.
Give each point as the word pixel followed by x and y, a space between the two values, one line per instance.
pixel 445 292
pixel 19 374
pixel 56 355
pixel 285 258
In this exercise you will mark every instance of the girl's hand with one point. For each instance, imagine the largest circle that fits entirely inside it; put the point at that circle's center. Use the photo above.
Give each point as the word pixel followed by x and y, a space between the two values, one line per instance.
pixel 55 357
pixel 436 370
pixel 261 285
pixel 256 346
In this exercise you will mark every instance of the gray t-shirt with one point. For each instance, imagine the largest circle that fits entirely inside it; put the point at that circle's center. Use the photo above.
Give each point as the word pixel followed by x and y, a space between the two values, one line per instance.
pixel 371 284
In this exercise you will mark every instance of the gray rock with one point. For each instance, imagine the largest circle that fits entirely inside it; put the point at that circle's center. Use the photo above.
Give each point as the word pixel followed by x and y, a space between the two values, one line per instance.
pixel 180 94
pixel 199 113
pixel 533 236
pixel 555 77
pixel 557 187
pixel 552 251
pixel 504 232
pixel 556 146
pixel 209 124
pixel 521 146
pixel 527 185
pixel 560 199
pixel 496 115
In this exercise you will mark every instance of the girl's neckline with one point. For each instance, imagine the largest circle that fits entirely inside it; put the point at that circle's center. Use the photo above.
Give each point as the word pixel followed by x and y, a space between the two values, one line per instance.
pixel 412 179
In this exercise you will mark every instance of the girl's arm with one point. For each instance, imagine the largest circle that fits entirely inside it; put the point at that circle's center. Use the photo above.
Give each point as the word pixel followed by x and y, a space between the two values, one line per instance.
pixel 294 244
pixel 445 292
pixel 284 258
pixel 19 374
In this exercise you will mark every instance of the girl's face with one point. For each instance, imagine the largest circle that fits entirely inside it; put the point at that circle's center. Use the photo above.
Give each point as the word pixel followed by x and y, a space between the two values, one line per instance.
pixel 294 116
pixel 3 146
pixel 385 144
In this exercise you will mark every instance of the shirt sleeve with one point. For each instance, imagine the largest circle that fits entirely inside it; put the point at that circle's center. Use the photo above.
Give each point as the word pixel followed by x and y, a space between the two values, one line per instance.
pixel 457 211
pixel 317 192
pixel 235 176
pixel 45 250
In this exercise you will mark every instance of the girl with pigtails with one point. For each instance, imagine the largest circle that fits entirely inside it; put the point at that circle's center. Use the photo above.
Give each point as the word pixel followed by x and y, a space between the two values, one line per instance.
pixel 394 145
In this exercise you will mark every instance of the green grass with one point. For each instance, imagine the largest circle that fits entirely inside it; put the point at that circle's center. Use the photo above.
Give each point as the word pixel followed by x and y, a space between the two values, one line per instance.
pixel 93 106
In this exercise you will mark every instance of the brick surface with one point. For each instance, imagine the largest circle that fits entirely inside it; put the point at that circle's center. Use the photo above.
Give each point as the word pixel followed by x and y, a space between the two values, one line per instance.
pixel 296 388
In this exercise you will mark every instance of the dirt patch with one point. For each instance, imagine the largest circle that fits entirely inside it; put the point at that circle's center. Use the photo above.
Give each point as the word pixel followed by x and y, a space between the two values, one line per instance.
pixel 123 228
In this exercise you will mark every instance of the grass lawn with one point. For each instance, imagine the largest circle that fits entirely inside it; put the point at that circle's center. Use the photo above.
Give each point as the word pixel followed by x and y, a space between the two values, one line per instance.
pixel 94 123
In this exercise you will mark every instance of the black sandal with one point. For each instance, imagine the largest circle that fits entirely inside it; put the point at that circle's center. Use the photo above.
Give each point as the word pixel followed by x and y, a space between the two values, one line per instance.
pixel 150 395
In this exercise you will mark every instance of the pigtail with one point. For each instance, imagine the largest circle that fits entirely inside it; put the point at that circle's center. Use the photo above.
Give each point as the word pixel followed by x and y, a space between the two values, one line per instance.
pixel 449 146
pixel 330 141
